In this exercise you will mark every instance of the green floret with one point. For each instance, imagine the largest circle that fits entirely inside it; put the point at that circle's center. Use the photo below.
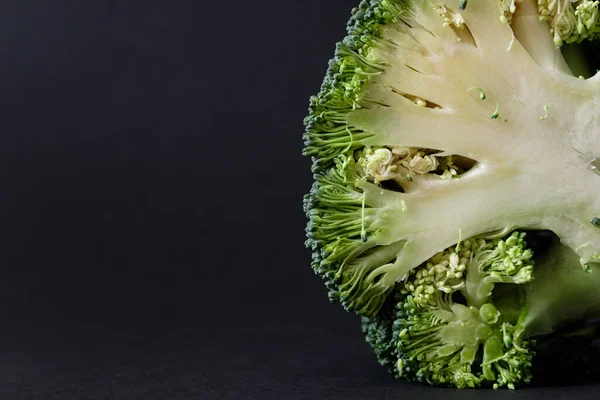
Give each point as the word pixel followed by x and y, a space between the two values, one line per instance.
pixel 341 219
pixel 443 342
pixel 571 21
pixel 443 325
pixel 381 335
pixel 328 134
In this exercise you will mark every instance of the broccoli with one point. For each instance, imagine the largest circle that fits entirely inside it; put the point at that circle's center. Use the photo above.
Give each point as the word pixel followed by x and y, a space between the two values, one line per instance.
pixel 456 196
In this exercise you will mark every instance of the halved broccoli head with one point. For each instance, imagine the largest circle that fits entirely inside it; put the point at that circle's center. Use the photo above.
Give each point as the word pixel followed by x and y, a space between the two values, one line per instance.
pixel 445 136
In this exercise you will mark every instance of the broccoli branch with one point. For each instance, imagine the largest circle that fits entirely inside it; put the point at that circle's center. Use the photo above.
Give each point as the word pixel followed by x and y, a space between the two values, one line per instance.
pixel 534 35
pixel 431 220
pixel 421 130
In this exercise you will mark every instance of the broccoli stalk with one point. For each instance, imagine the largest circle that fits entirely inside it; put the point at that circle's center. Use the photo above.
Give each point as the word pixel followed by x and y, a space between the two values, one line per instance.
pixel 415 89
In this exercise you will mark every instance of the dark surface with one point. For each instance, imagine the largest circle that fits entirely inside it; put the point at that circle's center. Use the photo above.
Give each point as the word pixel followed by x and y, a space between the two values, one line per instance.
pixel 288 359
pixel 152 241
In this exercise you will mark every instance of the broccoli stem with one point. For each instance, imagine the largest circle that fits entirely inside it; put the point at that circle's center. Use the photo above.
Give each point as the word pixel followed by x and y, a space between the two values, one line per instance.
pixel 512 202
pixel 473 292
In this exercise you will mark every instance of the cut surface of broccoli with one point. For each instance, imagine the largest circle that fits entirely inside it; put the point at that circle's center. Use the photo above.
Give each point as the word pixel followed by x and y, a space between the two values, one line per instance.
pixel 445 136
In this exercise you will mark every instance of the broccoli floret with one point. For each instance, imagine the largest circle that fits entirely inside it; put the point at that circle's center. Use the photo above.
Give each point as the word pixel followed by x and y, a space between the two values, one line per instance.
pixel 446 330
pixel 381 335
pixel 442 326
pixel 571 21
pixel 443 134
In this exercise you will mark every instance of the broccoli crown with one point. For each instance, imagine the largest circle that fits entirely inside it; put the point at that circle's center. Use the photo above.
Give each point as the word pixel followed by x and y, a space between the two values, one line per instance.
pixel 443 134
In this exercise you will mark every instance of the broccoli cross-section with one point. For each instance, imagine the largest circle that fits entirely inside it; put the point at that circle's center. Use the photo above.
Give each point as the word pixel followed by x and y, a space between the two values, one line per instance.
pixel 444 133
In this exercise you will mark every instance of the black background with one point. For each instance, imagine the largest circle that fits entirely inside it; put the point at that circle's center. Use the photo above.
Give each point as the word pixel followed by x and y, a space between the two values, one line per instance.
pixel 151 205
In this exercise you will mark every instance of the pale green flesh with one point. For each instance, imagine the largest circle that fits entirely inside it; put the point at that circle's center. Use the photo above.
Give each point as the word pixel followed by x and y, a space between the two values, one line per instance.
pixel 531 173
